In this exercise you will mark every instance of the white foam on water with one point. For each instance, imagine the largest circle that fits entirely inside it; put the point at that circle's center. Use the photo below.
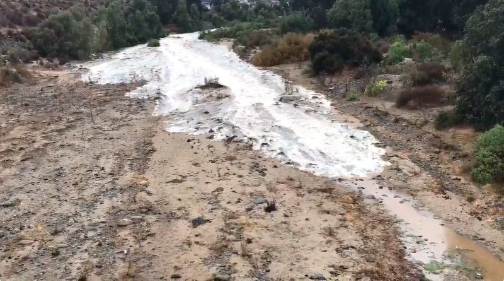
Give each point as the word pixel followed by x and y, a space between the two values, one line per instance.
pixel 304 134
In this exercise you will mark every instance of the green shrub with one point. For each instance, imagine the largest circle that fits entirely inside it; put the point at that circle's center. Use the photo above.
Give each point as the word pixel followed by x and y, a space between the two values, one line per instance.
pixel 447 119
pixel 153 43
pixel 425 50
pixel 297 22
pixel 489 156
pixel 456 56
pixel 378 88
pixel 353 97
pixel 398 51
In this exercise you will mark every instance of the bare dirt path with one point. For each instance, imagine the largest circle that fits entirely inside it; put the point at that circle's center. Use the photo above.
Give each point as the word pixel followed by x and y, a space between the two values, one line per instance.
pixel 92 188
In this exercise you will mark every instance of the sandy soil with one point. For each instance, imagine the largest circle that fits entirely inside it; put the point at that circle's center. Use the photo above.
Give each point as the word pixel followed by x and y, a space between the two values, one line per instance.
pixel 92 188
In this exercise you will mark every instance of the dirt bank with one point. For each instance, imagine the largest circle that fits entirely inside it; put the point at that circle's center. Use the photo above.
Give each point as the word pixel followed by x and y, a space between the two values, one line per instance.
pixel 93 188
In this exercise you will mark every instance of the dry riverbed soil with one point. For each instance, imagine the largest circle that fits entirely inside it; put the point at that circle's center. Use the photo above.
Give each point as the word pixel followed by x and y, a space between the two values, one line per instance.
pixel 93 188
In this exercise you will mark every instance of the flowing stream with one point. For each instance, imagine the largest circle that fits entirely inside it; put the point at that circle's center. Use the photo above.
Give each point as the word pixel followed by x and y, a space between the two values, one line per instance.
pixel 305 134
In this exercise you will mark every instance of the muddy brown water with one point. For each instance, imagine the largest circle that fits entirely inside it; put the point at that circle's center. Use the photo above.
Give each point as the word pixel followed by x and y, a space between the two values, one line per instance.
pixel 493 268
pixel 426 238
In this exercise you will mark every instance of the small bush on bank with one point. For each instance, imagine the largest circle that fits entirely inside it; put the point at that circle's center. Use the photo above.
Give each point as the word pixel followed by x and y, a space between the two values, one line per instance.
pixel 353 97
pixel 11 75
pixel 447 119
pixel 398 51
pixel 291 48
pixel 489 156
pixel 428 73
pixel 456 56
pixel 378 88
pixel 420 96
pixel 153 43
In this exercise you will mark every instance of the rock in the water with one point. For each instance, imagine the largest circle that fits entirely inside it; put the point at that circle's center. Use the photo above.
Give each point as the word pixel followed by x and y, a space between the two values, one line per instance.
pixel 290 98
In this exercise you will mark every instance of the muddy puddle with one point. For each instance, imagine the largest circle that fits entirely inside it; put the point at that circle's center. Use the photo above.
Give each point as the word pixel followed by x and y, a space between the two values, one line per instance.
pixel 428 240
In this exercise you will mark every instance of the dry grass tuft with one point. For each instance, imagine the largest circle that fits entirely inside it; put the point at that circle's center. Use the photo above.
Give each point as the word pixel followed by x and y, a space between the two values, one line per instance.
pixel 420 97
pixel 291 48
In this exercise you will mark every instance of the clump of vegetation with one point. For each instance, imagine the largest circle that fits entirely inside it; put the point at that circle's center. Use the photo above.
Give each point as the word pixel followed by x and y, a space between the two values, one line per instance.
pixel 456 55
pixel 489 156
pixel 420 96
pixel 353 97
pixel 398 51
pixel 428 73
pixel 247 36
pixel 446 119
pixel 435 267
pixel 332 51
pixel 211 83
pixel 291 48
pixel 378 88
pixel 153 43
pixel 10 75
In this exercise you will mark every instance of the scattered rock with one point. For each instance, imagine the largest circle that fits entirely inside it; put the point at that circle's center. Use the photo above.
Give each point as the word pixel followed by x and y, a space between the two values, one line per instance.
pixel 260 200
pixel 25 242
pixel 317 277
pixel 124 222
pixel 175 276
pixel 290 98
pixel 500 223
pixel 7 204
pixel 199 221
pixel 222 277
pixel 136 218
pixel 370 196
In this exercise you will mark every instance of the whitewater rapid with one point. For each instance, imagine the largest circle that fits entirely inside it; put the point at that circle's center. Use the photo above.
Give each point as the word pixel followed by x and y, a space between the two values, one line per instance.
pixel 305 134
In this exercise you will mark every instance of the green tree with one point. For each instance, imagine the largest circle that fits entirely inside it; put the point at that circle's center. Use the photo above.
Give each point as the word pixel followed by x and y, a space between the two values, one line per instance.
pixel 181 16
pixel 143 21
pixel 351 14
pixel 113 19
pixel 67 34
pixel 196 18
pixel 385 14
pixel 480 86
pixel 296 22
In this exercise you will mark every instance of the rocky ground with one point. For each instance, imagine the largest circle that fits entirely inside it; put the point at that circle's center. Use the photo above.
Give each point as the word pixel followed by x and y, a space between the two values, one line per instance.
pixel 92 188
